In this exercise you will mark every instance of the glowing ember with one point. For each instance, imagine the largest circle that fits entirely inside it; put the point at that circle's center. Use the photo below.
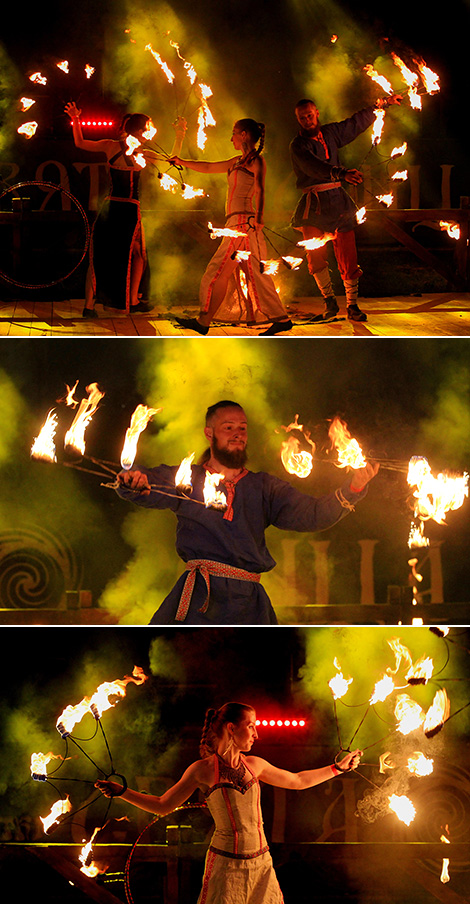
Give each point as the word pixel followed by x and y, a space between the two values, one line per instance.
pixel 38 79
pixel 452 229
pixel 339 684
pixel 333 39
pixel 64 66
pixel 214 498
pixel 28 129
pixel 100 700
pixel 296 460
pixel 60 808
pixel 361 215
pixel 387 200
pixel 435 496
pixel 150 131
pixel 400 176
pixel 183 477
pixel 270 267
pixel 43 446
pixel 163 66
pixel 26 103
pixel 408 713
pixel 318 242
pixel 244 256
pixel 378 126
pixel 380 79
pixel 75 436
pixel 219 233
pixel 419 764
pixel 382 690
pixel 399 151
pixel 349 451
pixel 293 263
pixel 89 70
pixel 437 714
pixel 139 421
pixel 403 808
pixel 132 144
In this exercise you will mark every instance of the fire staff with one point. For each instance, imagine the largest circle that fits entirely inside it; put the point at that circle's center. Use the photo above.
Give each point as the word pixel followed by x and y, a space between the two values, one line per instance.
pixel 225 553
pixel 239 867
pixel 244 217
pixel 325 208
pixel 118 263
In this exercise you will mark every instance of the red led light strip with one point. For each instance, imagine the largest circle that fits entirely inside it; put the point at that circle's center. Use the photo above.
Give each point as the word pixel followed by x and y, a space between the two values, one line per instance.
pixel 281 723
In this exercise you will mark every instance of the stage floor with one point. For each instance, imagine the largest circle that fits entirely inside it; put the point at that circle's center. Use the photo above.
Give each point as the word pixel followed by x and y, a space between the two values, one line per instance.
pixel 430 314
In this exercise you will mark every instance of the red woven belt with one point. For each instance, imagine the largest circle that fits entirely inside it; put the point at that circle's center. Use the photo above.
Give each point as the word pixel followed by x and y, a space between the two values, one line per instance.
pixel 206 568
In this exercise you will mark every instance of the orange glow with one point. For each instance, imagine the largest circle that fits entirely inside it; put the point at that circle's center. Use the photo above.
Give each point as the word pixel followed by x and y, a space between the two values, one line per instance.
pixel 64 66
pixel 408 713
pixel 183 477
pixel 361 215
pixel 318 242
pixel 75 436
pixel 339 685
pixel 382 690
pixel 26 103
pixel 60 808
pixel 38 79
pixel 437 714
pixel 295 460
pixel 349 451
pixel 43 446
pixel 380 79
pixel 214 498
pixel 399 151
pixel 403 808
pixel 419 764
pixel 163 66
pixel 435 496
pixel 219 233
pixel 100 700
pixel 205 117
pixel 387 200
pixel 28 129
pixel 378 126
pixel 89 70
pixel 139 420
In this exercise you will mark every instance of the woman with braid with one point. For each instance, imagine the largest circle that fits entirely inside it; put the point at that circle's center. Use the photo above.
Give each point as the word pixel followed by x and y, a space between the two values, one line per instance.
pixel 238 867
pixel 244 210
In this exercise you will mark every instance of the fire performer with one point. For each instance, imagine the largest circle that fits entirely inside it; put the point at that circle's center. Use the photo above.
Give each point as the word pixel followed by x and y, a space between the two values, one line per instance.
pixel 225 553
pixel 238 866
pixel 118 263
pixel 244 210
pixel 325 208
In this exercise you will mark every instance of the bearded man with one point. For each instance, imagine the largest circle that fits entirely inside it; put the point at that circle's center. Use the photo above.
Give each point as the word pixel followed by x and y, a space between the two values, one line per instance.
pixel 225 551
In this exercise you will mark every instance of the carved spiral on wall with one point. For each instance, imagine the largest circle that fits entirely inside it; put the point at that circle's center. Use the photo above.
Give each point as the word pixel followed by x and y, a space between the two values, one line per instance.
pixel 36 569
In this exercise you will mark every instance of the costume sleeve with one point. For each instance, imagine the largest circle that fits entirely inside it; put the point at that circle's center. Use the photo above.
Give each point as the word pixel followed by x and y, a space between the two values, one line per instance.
pixel 290 509
pixel 164 496
pixel 306 163
pixel 346 131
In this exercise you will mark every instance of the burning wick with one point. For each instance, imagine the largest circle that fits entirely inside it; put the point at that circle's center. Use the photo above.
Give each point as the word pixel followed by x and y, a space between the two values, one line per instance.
pixel 139 421
pixel 43 446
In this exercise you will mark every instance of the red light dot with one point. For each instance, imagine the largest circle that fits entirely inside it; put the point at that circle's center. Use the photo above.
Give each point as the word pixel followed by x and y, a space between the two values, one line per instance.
pixel 287 722
pixel 279 722
pixel 265 721
pixel 294 722
pixel 302 723
pixel 272 722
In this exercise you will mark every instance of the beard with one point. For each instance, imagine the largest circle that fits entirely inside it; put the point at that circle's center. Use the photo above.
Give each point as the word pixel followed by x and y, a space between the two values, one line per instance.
pixel 235 459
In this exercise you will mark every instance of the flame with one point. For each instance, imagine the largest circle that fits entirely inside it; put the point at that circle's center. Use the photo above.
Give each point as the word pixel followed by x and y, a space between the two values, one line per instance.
pixel 26 103
pixel 219 233
pixel 401 652
pixel 64 66
pixel 452 229
pixel 399 151
pixel 168 183
pixel 60 808
pixel 189 192
pixel 430 78
pixel 163 66
pixel 244 256
pixel 28 129
pixel 419 764
pixel 383 764
pixel 43 446
pixel 213 498
pixel 296 461
pixel 435 496
pixel 437 714
pixel 408 713
pixel 140 160
pixel 92 869
pixel 292 262
pixel 403 808
pixel 416 537
pixel 444 877
pixel 421 671
pixel 39 762
pixel 89 70
pixel 100 700
pixel 75 436
pixel 339 684
pixel 139 421
pixel 349 451
pixel 270 267
pixel 150 131
pixel 361 215
pixel 410 78
pixel 183 477
pixel 38 79
pixel 400 176
pixel 205 117
pixel 383 688
pixel 415 99
pixel 333 39
pixel 378 126
pixel 317 242
pixel 380 79
pixel 385 199
pixel 132 144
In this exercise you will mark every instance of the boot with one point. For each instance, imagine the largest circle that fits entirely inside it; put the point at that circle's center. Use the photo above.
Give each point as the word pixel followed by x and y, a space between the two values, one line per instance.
pixel 351 288
pixel 330 312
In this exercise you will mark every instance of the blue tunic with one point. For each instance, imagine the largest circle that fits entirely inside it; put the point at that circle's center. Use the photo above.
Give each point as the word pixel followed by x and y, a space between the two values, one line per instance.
pixel 316 162
pixel 260 500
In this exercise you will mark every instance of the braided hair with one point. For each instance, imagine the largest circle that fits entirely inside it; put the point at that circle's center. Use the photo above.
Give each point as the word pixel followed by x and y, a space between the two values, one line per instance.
pixel 215 721
pixel 257 130
pixel 134 122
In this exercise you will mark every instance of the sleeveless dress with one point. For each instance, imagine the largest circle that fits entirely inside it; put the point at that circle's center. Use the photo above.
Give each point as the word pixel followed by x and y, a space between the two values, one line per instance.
pixel 253 299
pixel 238 868
pixel 117 226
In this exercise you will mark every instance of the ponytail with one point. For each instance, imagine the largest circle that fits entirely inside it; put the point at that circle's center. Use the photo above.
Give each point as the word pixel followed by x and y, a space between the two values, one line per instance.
pixel 214 724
